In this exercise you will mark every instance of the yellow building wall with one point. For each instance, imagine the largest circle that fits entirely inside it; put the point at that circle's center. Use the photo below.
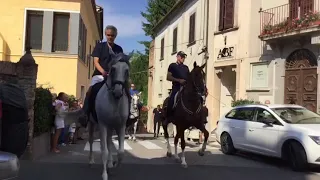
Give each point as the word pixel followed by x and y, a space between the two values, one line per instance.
pixel 64 73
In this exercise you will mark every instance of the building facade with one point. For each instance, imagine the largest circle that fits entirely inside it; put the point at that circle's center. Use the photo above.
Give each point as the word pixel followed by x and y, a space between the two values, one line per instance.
pixel 61 35
pixel 290 33
pixel 182 29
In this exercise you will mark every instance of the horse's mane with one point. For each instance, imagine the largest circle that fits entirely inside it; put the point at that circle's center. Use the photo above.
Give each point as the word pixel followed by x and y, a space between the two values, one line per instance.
pixel 121 57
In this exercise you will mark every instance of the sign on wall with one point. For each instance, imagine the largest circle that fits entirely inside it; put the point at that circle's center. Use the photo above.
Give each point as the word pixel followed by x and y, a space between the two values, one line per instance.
pixel 226 53
pixel 259 76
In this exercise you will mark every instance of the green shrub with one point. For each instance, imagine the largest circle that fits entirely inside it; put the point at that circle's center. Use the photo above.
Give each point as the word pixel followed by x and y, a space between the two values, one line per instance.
pixel 43 111
pixel 71 99
pixel 240 102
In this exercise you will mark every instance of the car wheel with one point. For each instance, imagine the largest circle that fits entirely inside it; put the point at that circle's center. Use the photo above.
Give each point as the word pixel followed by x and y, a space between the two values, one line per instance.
pixel 297 156
pixel 227 144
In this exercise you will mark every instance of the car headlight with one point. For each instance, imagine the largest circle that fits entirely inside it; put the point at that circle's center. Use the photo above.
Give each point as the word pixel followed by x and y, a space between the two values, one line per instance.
pixel 316 139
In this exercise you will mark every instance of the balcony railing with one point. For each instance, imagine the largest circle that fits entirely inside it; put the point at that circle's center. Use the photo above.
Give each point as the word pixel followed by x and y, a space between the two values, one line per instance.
pixel 293 17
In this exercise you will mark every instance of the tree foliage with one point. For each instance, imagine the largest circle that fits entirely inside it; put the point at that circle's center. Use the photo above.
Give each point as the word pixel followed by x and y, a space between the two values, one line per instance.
pixel 139 74
pixel 155 11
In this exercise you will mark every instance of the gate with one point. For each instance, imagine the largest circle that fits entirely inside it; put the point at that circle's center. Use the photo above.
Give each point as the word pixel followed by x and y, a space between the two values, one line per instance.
pixel 301 79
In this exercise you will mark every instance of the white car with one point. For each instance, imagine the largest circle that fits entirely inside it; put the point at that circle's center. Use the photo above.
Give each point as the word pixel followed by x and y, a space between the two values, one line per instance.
pixel 290 132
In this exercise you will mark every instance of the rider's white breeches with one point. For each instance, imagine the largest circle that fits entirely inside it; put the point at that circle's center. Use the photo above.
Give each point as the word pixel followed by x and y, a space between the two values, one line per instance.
pixel 96 79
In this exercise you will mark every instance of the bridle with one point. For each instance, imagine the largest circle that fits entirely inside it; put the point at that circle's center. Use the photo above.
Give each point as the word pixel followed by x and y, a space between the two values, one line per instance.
pixel 199 93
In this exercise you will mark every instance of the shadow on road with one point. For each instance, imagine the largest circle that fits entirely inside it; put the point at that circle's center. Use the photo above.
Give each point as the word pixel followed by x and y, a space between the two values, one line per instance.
pixel 68 165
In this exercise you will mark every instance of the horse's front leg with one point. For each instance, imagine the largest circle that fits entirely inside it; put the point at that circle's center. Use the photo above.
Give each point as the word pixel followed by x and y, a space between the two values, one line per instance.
pixel 206 137
pixel 183 146
pixel 176 141
pixel 91 138
pixel 104 150
pixel 109 144
pixel 121 134
pixel 135 129
pixel 166 136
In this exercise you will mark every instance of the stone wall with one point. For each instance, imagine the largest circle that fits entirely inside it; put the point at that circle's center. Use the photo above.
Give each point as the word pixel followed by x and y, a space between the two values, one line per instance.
pixel 23 73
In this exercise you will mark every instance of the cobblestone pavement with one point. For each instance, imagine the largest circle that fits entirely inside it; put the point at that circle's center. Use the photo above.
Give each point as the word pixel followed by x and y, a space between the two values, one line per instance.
pixel 145 159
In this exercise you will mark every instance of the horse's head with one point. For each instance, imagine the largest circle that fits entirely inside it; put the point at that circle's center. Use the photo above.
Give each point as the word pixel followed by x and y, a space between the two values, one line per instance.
pixel 135 100
pixel 197 76
pixel 119 74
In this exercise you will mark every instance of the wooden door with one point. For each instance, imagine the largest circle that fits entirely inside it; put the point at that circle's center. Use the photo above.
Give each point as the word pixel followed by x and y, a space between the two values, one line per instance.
pixel 301 87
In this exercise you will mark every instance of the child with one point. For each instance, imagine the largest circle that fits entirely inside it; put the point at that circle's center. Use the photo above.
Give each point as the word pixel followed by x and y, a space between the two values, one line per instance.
pixel 72 129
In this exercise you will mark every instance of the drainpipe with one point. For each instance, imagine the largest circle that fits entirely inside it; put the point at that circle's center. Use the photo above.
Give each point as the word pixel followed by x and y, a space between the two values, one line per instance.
pixel 206 55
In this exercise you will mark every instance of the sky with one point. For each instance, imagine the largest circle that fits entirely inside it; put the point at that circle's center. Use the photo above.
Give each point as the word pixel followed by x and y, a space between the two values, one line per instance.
pixel 125 15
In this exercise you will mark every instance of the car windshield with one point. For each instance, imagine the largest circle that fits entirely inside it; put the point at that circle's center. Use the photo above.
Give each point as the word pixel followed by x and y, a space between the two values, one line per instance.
pixel 297 115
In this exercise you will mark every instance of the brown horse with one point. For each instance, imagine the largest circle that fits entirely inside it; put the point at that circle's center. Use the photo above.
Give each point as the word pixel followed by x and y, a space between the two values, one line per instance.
pixel 187 112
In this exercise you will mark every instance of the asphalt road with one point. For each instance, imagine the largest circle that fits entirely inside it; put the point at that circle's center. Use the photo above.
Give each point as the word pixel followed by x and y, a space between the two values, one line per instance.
pixel 144 160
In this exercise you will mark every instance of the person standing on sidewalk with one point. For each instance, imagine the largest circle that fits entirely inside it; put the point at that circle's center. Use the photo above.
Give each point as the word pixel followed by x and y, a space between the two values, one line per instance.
pixel 156 120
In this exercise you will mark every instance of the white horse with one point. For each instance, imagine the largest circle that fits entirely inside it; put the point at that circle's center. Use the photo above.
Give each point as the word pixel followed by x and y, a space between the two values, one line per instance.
pixel 134 116
pixel 112 111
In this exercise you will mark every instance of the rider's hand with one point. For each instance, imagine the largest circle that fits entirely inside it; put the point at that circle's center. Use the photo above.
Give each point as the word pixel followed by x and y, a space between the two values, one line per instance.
pixel 182 81
pixel 105 74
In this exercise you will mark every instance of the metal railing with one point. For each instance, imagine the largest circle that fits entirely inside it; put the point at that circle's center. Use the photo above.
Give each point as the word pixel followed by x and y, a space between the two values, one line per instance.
pixel 295 15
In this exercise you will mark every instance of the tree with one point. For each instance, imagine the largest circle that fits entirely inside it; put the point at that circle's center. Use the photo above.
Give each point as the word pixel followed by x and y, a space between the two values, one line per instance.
pixel 139 74
pixel 155 11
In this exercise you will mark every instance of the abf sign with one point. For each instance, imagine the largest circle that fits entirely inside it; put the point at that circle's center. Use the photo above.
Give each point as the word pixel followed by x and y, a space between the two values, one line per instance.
pixel 226 53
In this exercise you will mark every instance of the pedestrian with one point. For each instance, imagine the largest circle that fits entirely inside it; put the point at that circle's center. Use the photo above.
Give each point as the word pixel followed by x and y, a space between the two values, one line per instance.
pixel 157 113
pixel 61 106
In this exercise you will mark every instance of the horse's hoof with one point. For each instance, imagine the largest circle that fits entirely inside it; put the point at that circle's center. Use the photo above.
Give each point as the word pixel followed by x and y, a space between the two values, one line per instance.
pixel 201 153
pixel 184 165
pixel 169 154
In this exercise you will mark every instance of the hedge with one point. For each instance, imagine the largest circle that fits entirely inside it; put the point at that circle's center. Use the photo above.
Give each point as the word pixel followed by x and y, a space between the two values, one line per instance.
pixel 241 102
pixel 43 111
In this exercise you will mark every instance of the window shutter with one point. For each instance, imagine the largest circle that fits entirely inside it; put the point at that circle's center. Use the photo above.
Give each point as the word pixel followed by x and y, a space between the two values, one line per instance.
pixel 293 9
pixel 175 38
pixel 305 7
pixel 229 14
pixel 192 24
pixel 162 49
pixel 221 15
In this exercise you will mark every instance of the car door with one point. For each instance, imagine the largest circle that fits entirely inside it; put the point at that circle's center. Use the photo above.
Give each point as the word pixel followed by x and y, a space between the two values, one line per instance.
pixel 263 138
pixel 238 119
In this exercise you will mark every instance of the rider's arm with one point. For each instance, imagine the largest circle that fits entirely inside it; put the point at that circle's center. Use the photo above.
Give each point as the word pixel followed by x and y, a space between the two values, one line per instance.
pixel 96 55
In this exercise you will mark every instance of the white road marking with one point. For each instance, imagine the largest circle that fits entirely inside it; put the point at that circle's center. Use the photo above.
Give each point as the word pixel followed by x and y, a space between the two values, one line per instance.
pixel 149 145
pixel 126 145
pixel 96 146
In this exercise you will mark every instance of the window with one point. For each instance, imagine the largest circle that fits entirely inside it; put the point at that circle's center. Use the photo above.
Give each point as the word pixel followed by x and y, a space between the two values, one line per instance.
pixel 89 63
pixel 226 16
pixel 263 114
pixel 162 49
pixel 82 41
pixel 60 32
pixel 175 39
pixel 82 91
pixel 241 114
pixel 298 8
pixel 192 26
pixel 34 30
pixel 259 76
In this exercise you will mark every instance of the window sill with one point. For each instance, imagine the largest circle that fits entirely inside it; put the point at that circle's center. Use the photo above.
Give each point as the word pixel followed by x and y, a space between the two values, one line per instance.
pixel 258 90
pixel 161 59
pixel 191 44
pixel 173 53
pixel 53 54
pixel 226 30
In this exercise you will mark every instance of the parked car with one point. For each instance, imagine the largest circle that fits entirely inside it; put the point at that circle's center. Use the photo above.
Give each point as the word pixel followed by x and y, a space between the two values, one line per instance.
pixel 290 132
pixel 14 129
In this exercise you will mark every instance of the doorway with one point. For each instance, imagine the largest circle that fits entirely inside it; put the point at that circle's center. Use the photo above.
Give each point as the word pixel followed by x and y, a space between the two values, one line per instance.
pixel 228 88
pixel 301 79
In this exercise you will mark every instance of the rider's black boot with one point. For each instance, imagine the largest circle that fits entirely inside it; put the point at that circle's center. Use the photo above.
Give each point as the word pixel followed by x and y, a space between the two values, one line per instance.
pixel 87 101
